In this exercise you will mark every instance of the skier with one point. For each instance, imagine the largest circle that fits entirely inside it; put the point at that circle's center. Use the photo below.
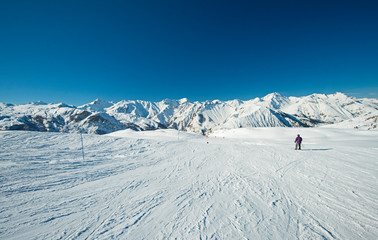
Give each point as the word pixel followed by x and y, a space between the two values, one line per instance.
pixel 298 142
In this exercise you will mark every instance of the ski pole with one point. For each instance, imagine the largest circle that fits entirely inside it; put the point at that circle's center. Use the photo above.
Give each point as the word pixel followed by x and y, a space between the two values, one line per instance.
pixel 82 144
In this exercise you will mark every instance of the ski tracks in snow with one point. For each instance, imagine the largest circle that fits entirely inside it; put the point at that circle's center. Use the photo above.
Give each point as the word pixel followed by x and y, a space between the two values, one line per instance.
pixel 194 188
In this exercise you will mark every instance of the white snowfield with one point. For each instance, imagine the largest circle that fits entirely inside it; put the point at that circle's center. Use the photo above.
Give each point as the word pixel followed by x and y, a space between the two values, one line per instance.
pixel 164 184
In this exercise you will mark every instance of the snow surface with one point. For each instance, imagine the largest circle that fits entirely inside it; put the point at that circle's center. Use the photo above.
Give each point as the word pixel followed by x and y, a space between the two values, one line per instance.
pixel 164 184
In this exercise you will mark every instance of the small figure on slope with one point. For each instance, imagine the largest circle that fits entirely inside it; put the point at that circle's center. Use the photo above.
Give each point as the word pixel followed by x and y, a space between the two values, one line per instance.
pixel 298 142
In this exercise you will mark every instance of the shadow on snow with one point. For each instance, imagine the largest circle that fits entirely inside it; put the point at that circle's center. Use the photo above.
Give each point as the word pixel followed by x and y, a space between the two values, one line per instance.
pixel 317 149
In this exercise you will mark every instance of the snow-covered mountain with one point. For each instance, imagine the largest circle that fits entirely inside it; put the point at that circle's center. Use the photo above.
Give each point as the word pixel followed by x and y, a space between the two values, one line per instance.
pixel 272 110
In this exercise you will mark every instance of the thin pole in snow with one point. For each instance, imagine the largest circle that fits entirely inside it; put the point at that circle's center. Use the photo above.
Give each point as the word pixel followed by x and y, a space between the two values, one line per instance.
pixel 82 144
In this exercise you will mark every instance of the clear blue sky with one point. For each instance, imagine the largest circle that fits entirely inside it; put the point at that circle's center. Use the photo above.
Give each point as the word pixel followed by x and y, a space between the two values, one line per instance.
pixel 77 51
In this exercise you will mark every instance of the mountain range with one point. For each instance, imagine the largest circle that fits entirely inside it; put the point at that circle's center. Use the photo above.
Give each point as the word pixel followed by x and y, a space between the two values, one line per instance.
pixel 273 110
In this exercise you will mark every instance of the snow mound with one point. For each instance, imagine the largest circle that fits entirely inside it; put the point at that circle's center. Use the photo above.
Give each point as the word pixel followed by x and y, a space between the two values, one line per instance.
pixel 161 134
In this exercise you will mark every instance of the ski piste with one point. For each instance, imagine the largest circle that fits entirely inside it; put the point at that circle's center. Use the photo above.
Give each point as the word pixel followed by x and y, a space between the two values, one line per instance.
pixel 244 184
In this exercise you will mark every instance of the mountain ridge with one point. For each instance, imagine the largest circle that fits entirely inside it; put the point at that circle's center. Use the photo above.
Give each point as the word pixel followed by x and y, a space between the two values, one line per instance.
pixel 273 110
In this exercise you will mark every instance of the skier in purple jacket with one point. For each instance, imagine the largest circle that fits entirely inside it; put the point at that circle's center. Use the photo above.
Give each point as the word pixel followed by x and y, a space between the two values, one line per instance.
pixel 298 142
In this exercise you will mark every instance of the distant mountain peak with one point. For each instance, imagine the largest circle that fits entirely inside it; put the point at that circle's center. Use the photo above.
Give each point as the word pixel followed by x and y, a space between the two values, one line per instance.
pixel 274 100
pixel 97 105
pixel 39 102
pixel 273 95
pixel 183 100
pixel 99 101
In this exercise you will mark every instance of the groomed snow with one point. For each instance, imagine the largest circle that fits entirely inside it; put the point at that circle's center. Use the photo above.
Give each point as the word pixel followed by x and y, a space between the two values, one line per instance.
pixel 235 184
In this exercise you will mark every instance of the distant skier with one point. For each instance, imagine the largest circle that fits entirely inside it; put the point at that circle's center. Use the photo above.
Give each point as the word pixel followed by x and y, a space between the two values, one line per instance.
pixel 298 142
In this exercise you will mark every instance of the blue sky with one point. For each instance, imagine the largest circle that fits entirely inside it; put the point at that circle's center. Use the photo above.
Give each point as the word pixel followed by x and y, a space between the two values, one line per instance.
pixel 77 51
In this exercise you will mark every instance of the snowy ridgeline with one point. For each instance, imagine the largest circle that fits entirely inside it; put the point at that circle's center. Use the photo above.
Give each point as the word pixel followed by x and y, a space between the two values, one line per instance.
pixel 165 184
pixel 273 110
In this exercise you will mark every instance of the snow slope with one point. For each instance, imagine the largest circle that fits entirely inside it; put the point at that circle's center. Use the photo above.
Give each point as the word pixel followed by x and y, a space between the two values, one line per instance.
pixel 367 122
pixel 164 184
pixel 273 110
